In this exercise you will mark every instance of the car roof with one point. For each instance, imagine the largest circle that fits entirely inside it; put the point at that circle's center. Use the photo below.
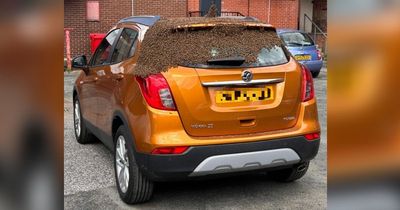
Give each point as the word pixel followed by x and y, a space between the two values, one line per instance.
pixel 247 18
pixel 146 20
pixel 149 20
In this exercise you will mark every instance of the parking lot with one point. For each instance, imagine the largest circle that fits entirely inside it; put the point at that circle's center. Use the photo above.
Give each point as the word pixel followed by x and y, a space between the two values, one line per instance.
pixel 89 176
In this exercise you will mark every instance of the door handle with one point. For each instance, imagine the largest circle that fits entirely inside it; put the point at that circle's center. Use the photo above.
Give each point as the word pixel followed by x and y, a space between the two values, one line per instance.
pixel 119 77
pixel 90 80
pixel 247 122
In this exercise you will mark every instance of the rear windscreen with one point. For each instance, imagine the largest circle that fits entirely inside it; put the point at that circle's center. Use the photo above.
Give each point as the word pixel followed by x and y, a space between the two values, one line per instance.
pixel 296 39
pixel 234 45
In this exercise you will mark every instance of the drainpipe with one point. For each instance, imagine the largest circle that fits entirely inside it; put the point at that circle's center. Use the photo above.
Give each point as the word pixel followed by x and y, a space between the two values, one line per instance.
pixel 68 46
pixel 132 7
pixel 248 8
pixel 187 8
pixel 269 10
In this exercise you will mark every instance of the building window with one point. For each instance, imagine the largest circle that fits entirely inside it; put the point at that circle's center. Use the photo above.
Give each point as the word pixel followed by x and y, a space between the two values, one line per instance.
pixel 92 11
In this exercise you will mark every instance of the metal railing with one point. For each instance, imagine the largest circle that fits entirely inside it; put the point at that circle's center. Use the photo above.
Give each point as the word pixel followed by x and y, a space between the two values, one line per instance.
pixel 316 30
pixel 203 13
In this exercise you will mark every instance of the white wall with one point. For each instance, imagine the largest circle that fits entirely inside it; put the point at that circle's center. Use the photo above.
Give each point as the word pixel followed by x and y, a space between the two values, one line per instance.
pixel 306 6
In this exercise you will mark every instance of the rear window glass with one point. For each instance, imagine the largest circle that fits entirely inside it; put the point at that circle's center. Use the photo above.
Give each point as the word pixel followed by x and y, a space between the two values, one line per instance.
pixel 218 46
pixel 296 39
pixel 267 56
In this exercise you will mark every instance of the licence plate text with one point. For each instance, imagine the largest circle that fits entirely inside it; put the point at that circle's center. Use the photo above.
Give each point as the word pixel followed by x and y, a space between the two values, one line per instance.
pixel 302 57
pixel 243 95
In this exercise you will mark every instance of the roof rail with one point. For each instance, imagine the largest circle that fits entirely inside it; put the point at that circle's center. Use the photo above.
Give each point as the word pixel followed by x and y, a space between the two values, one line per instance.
pixel 146 20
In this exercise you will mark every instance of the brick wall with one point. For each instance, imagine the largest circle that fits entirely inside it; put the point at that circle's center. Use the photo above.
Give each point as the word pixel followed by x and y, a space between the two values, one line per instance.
pixel 235 6
pixel 320 14
pixel 193 5
pixel 165 8
pixel 259 9
pixel 110 13
pixel 75 17
pixel 284 13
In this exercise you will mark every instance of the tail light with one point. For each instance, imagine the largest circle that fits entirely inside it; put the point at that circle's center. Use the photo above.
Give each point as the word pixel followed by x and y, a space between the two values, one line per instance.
pixel 169 150
pixel 319 55
pixel 312 136
pixel 156 91
pixel 307 90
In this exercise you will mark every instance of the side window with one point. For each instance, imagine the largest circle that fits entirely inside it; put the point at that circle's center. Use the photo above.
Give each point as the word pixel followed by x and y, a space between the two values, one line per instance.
pixel 124 45
pixel 133 49
pixel 103 51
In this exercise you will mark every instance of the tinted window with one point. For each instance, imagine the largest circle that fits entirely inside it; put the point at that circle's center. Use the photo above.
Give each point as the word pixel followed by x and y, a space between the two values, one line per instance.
pixel 268 56
pixel 271 56
pixel 104 49
pixel 124 46
pixel 295 39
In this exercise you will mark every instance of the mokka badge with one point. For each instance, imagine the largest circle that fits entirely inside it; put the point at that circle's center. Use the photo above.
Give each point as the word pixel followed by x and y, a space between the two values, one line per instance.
pixel 247 76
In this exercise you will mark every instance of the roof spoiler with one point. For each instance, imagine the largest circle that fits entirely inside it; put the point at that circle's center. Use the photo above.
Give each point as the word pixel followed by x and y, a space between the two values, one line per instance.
pixel 252 25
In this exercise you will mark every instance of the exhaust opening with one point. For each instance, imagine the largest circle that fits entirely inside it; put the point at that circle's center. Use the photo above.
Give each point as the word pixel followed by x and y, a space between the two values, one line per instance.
pixel 302 167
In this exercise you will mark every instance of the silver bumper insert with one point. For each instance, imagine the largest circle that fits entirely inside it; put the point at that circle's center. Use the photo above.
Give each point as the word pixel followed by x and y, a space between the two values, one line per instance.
pixel 246 161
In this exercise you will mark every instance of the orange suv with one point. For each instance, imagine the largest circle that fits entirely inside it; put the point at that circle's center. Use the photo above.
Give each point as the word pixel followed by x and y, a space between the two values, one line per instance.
pixel 219 118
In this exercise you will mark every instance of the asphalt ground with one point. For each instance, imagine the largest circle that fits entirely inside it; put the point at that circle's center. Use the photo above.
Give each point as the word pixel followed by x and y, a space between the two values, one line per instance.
pixel 89 176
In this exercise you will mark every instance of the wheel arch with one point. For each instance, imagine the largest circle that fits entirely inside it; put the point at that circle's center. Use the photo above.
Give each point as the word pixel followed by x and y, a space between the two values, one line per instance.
pixel 74 93
pixel 118 120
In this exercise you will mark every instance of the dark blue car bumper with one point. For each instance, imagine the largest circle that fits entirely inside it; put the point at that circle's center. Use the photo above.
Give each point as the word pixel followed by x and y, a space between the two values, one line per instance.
pixel 313 66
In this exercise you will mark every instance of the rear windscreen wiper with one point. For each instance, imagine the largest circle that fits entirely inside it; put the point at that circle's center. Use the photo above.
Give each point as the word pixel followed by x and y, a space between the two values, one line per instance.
pixel 231 61
pixel 295 43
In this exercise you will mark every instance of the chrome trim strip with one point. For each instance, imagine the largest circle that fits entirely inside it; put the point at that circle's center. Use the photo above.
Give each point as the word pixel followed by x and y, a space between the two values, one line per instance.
pixel 246 161
pixel 242 83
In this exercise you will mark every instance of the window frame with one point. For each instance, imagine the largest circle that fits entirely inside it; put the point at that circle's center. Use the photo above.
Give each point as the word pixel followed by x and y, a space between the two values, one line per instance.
pixel 90 19
pixel 112 49
pixel 116 42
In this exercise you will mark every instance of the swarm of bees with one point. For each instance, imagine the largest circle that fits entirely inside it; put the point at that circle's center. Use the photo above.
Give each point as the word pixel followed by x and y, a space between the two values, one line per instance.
pixel 192 41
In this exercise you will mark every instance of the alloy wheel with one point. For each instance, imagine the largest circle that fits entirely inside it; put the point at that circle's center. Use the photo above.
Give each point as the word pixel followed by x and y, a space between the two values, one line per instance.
pixel 77 119
pixel 122 164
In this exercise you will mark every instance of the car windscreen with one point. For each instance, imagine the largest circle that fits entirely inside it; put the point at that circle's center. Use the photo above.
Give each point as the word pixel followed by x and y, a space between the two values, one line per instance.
pixel 296 39
pixel 217 46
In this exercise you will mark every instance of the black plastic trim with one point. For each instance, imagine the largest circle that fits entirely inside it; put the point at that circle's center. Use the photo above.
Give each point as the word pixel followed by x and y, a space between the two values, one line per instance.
pixel 178 167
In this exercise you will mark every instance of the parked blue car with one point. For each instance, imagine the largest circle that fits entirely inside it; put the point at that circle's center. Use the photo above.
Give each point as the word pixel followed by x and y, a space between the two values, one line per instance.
pixel 303 49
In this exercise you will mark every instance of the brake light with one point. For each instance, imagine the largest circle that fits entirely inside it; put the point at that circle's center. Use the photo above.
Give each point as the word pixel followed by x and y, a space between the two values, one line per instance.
pixel 156 91
pixel 319 55
pixel 307 91
pixel 169 150
pixel 312 136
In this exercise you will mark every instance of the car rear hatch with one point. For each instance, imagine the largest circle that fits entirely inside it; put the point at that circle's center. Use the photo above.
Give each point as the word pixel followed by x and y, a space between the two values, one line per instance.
pixel 210 101
pixel 231 95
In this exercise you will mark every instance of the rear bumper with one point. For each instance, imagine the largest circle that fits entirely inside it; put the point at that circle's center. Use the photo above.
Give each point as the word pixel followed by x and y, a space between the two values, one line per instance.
pixel 313 66
pixel 205 161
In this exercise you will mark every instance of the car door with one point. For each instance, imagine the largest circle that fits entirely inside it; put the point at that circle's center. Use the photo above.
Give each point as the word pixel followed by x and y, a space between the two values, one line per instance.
pixel 98 65
pixel 109 82
pixel 87 98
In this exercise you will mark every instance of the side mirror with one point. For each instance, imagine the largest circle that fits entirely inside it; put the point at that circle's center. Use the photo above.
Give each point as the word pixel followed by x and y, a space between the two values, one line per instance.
pixel 80 62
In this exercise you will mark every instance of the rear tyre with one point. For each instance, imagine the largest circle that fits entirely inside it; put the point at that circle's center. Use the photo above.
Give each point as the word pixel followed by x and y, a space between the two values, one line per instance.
pixel 290 174
pixel 133 187
pixel 315 74
pixel 82 134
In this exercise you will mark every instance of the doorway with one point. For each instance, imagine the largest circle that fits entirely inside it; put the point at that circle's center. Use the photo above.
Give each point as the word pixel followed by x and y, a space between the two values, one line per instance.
pixel 205 5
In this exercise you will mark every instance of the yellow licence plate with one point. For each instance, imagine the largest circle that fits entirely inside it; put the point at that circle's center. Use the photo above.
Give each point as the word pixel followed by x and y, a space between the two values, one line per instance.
pixel 302 57
pixel 244 94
